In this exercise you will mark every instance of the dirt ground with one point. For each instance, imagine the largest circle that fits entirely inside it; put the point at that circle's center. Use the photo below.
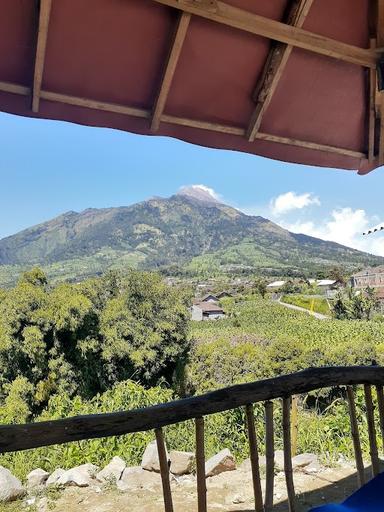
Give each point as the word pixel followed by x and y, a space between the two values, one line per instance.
pixel 228 492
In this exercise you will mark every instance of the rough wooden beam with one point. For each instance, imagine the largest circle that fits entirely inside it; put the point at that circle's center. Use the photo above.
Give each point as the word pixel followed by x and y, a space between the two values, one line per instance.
pixel 226 14
pixel 380 95
pixel 170 69
pixel 274 67
pixel 45 433
pixel 42 35
pixel 179 121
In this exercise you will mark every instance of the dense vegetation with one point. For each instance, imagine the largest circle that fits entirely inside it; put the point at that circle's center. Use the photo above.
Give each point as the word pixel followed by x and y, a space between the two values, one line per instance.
pixel 181 235
pixel 82 339
pixel 121 342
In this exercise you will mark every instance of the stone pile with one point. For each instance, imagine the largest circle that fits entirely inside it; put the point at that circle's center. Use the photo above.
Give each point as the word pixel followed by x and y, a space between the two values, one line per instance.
pixel 181 466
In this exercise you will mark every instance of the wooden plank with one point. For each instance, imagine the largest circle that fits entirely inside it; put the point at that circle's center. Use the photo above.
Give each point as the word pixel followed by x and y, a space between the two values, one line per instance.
pixel 170 68
pixel 355 437
pixel 254 456
pixel 200 466
pixel 180 121
pixel 45 433
pixel 275 66
pixel 288 470
pixel 21 90
pixel 371 430
pixel 42 35
pixel 380 402
pixel 372 110
pixel 226 14
pixel 164 470
pixel 95 105
pixel 269 456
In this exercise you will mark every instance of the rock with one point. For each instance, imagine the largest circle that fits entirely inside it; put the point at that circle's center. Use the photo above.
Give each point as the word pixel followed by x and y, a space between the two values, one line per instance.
pixel 37 478
pixel 222 461
pixel 150 460
pixel 235 499
pixel 113 471
pixel 81 476
pixel 279 460
pixel 303 460
pixel 246 464
pixel 43 505
pixel 137 478
pixel 181 462
pixel 312 468
pixel 10 486
pixel 54 477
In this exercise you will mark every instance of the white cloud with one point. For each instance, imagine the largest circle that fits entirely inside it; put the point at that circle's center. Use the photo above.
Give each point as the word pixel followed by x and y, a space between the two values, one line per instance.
pixel 292 201
pixel 199 191
pixel 344 226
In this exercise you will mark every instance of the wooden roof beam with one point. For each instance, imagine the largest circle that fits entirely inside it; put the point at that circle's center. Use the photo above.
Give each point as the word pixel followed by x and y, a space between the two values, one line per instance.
pixel 179 121
pixel 220 12
pixel 42 35
pixel 170 68
pixel 274 67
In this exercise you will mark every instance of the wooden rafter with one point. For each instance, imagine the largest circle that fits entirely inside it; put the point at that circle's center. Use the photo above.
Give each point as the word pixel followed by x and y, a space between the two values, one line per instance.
pixel 274 67
pixel 380 95
pixel 170 68
pixel 226 14
pixel 45 11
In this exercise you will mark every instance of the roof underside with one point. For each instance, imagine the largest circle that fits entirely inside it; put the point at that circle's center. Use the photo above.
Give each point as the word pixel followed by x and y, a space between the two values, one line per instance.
pixel 291 80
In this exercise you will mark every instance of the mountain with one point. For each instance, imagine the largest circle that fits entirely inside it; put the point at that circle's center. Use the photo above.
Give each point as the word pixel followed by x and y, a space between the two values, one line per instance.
pixel 190 230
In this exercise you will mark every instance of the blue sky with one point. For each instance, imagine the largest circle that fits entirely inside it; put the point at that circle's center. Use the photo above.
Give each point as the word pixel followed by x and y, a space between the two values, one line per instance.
pixel 49 167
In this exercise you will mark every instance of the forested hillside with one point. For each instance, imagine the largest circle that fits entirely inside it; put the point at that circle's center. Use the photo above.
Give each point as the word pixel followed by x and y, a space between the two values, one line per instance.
pixel 182 234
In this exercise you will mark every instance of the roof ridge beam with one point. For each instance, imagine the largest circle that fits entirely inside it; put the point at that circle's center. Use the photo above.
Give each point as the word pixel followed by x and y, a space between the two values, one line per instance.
pixel 226 14
pixel 274 67
pixel 42 35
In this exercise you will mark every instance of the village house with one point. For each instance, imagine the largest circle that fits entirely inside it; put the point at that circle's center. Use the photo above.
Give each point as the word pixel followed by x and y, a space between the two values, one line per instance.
pixel 328 287
pixel 371 277
pixel 206 311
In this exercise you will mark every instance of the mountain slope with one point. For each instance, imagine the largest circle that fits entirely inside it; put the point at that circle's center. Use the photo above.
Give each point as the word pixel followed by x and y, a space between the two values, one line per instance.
pixel 186 229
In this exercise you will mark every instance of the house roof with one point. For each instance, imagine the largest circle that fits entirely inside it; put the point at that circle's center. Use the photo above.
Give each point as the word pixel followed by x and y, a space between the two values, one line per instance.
pixel 276 284
pixel 326 282
pixel 209 307
pixel 285 80
pixel 369 271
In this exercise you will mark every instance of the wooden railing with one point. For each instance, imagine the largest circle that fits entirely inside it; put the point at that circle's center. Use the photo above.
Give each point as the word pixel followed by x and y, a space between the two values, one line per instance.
pixel 33 435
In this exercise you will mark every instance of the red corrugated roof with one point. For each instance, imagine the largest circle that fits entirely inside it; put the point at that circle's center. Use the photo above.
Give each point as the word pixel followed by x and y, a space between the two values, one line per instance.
pixel 194 68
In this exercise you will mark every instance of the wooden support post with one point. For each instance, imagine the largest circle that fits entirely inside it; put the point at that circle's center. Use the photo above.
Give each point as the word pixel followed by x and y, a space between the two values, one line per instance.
pixel 288 454
pixel 45 12
pixel 170 69
pixel 164 470
pixel 371 430
pixel 200 466
pixel 380 402
pixel 294 424
pixel 254 456
pixel 269 456
pixel 355 437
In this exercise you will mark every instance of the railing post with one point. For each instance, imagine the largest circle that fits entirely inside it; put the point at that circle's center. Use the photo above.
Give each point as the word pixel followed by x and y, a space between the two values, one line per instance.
pixel 200 466
pixel 269 456
pixel 294 424
pixel 371 430
pixel 288 454
pixel 355 437
pixel 380 402
pixel 254 456
pixel 164 470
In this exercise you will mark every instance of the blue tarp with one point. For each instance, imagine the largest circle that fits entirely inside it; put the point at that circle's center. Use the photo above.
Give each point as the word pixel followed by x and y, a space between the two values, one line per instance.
pixel 369 498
